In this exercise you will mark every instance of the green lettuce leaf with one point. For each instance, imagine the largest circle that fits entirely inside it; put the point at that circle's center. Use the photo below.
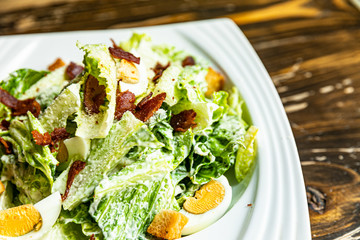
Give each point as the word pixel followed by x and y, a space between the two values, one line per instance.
pixel 47 88
pixel 108 153
pixel 246 154
pixel 135 195
pixel 98 63
pixel 21 80
pixel 134 41
pixel 39 157
pixel 67 103
pixel 31 183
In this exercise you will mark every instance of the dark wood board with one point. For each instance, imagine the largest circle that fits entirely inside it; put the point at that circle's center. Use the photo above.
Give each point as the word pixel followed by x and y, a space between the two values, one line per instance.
pixel 311 50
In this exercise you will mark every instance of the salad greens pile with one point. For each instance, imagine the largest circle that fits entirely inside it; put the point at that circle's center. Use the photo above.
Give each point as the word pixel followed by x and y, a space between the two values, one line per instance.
pixel 132 167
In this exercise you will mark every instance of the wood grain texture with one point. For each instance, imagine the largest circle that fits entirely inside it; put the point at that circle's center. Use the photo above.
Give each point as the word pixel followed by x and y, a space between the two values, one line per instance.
pixel 311 49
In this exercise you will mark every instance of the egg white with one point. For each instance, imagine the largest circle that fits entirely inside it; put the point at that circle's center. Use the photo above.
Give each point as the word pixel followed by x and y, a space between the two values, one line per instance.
pixel 197 222
pixel 49 209
pixel 140 87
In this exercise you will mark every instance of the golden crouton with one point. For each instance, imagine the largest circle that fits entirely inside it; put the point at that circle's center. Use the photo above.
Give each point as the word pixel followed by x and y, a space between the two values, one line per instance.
pixel 209 196
pixel 168 224
pixel 2 188
pixel 215 82
pixel 128 72
pixel 19 220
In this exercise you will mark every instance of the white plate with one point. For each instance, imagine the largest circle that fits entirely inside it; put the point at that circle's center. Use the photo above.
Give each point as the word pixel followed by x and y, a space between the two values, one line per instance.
pixel 276 190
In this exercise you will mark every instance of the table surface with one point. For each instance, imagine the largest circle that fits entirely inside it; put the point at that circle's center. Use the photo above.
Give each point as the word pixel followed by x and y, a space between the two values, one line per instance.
pixel 311 50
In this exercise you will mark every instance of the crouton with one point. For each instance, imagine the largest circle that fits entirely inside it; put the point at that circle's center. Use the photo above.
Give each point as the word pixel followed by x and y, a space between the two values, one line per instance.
pixel 208 197
pixel 168 224
pixel 19 220
pixel 215 82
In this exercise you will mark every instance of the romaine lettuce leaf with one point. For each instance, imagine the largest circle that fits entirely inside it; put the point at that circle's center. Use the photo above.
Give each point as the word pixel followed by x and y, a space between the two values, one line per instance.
pixel 21 80
pixel 98 63
pixel 134 41
pixel 108 153
pixel 16 84
pixel 61 231
pixel 67 103
pixel 31 184
pixel 39 157
pixel 6 198
pixel 47 88
pixel 125 204
pixel 246 154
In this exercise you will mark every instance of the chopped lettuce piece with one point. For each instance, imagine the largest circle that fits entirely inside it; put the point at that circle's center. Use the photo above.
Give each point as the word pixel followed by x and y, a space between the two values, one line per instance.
pixel 61 231
pixel 6 198
pixel 125 204
pixel 39 157
pixel 67 103
pixel 108 153
pixel 134 41
pixel 167 83
pixel 21 80
pixel 246 154
pixel 30 182
pixel 98 63
pixel 47 88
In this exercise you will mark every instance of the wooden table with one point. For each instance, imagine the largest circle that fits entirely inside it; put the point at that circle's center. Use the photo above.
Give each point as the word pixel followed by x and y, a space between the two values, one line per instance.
pixel 312 52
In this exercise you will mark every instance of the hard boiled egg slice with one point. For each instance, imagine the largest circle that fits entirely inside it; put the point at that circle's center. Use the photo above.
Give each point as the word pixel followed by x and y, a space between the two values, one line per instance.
pixel 133 77
pixel 198 222
pixel 49 209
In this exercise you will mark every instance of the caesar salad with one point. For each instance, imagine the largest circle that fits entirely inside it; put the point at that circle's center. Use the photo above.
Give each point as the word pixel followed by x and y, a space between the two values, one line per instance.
pixel 132 143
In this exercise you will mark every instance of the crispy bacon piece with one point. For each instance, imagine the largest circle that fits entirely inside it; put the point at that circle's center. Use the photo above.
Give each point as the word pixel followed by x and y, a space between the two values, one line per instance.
pixel 121 54
pixel 73 70
pixel 7 146
pixel 143 101
pixel 75 168
pixel 19 107
pixel 183 121
pixel 188 61
pixel 92 237
pixel 148 108
pixel 158 70
pixel 59 134
pixel 4 125
pixel 94 95
pixel 42 139
pixel 124 102
pixel 57 64
pixel 114 44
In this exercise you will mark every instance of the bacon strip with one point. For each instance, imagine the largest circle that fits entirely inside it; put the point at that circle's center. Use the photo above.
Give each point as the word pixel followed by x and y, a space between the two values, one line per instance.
pixel 59 134
pixel 4 125
pixel 73 70
pixel 148 108
pixel 42 139
pixel 121 54
pixel 7 146
pixel 19 107
pixel 143 101
pixel 94 95
pixel 50 140
pixel 183 121
pixel 114 44
pixel 188 61
pixel 124 102
pixel 158 70
pixel 75 169
pixel 57 64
